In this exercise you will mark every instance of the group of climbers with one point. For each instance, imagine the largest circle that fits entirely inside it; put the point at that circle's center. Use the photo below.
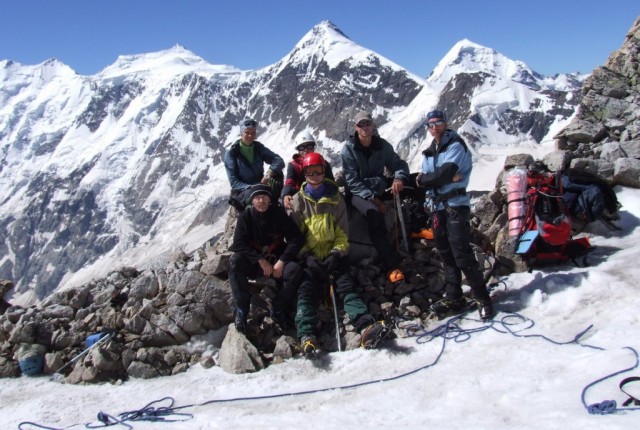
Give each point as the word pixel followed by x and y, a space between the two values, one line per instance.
pixel 302 239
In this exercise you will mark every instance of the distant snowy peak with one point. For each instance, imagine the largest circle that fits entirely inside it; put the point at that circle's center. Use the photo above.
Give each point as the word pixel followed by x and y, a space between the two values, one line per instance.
pixel 468 57
pixel 170 62
pixel 323 42
pixel 44 72
pixel 326 42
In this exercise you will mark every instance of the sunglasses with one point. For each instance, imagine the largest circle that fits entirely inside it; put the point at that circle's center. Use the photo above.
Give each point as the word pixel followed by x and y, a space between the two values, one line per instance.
pixel 306 146
pixel 315 172
pixel 363 123
pixel 250 123
pixel 435 123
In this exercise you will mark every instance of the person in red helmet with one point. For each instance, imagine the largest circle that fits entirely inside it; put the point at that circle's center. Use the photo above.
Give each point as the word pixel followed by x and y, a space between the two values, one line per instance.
pixel 305 144
pixel 320 212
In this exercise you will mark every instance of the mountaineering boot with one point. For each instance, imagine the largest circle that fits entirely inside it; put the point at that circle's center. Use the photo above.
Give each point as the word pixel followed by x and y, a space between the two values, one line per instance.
pixel 308 345
pixel 485 310
pixel 446 307
pixel 241 321
pixel 373 334
pixel 371 331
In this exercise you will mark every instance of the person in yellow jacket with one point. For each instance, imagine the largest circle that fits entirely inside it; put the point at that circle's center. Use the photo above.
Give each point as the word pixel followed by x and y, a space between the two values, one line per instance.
pixel 320 212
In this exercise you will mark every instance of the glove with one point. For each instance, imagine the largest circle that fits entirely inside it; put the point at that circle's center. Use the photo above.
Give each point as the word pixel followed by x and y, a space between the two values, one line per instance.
pixel 313 264
pixel 331 262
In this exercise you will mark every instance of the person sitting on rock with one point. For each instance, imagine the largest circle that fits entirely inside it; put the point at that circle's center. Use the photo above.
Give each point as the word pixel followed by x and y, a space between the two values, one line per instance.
pixel 364 159
pixel 305 143
pixel 244 163
pixel 266 242
pixel 320 212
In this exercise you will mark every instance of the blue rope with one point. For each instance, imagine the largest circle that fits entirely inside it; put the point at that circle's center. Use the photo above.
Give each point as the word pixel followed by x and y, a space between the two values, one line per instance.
pixel 608 406
pixel 450 330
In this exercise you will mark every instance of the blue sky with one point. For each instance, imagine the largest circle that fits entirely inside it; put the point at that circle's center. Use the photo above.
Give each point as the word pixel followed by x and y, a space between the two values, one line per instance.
pixel 550 36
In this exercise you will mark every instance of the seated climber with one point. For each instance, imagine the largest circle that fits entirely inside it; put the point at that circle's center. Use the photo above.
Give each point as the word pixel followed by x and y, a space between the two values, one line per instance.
pixel 364 159
pixel 321 213
pixel 305 143
pixel 266 242
pixel 244 162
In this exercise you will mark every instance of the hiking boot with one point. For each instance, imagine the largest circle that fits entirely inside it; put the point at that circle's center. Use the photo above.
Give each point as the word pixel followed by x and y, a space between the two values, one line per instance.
pixel 485 310
pixel 449 306
pixel 425 233
pixel 395 275
pixel 373 334
pixel 308 345
pixel 241 321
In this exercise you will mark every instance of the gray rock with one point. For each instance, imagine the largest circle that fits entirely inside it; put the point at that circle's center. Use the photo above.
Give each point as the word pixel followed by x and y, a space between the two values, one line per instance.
pixel 59 311
pixel 627 172
pixel 238 355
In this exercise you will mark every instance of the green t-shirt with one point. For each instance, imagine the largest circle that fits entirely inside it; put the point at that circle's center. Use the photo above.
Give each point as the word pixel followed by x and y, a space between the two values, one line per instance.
pixel 247 151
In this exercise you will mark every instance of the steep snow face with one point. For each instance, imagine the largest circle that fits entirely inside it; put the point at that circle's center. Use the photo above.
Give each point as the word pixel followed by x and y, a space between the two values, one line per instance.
pixel 125 166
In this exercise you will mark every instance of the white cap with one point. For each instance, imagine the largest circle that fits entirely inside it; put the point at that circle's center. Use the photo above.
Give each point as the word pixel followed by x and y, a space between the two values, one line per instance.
pixel 304 137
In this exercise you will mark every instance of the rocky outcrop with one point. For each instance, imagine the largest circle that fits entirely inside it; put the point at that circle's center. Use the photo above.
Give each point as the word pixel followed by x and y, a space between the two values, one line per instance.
pixel 160 322
pixel 604 137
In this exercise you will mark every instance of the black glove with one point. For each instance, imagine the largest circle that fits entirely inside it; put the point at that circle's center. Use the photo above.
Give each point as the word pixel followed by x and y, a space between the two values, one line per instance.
pixel 331 262
pixel 313 264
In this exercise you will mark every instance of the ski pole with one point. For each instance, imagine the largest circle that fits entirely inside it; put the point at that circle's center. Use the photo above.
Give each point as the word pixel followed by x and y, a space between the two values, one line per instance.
pixel 104 338
pixel 335 311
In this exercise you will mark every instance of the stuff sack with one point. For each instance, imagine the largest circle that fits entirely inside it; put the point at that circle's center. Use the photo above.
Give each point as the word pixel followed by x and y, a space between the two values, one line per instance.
pixel 515 183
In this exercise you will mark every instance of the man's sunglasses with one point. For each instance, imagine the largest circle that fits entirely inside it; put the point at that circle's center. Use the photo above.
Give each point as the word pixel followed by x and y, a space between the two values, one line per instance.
pixel 304 146
pixel 363 123
pixel 250 123
pixel 435 123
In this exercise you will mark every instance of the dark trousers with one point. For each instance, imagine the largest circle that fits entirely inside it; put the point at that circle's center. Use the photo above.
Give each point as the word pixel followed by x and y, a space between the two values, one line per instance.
pixel 452 234
pixel 389 258
pixel 314 288
pixel 241 270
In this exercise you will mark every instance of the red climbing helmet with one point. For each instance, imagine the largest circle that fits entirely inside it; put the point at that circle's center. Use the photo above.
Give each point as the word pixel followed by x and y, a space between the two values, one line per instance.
pixel 312 159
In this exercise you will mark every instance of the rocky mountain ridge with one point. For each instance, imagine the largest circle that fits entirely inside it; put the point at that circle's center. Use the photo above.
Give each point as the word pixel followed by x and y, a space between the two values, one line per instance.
pixel 124 167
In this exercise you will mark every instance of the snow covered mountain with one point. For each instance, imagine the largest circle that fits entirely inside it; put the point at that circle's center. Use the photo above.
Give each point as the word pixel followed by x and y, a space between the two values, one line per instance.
pixel 124 167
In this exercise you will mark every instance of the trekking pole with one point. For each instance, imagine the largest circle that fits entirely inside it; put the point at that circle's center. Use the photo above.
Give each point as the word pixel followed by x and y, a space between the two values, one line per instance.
pixel 104 338
pixel 335 311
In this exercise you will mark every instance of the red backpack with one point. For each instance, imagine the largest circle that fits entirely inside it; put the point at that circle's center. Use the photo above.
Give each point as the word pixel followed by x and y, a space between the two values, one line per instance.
pixel 546 231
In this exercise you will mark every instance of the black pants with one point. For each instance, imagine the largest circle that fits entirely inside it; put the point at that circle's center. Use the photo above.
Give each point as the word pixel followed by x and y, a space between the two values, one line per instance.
pixel 452 234
pixel 241 270
pixel 389 258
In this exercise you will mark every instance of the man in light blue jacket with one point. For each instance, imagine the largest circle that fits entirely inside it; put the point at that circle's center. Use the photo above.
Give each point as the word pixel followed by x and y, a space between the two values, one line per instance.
pixel 445 174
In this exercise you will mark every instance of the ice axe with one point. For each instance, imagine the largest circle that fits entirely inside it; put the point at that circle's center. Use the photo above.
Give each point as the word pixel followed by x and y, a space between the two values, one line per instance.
pixel 335 310
pixel 398 204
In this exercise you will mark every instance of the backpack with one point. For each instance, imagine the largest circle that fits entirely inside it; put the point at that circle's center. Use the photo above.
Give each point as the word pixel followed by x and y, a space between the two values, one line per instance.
pixel 589 197
pixel 546 237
